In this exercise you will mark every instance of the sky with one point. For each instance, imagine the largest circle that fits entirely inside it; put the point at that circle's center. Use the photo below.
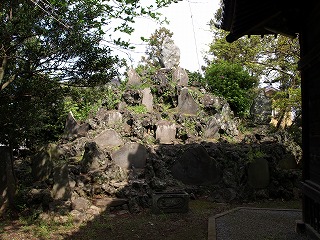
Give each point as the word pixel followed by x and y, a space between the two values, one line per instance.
pixel 189 23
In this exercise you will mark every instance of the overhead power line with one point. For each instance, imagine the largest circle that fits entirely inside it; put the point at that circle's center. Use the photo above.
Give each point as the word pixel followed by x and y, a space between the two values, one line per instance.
pixel 45 6
pixel 194 36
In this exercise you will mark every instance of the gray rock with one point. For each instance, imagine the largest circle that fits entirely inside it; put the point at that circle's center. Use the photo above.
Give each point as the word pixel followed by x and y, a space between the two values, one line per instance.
pixel 147 99
pixel 61 189
pixel 186 103
pixel 180 76
pixel 108 138
pixel 170 55
pixel 132 97
pixel 42 166
pixel 130 155
pixel 133 77
pixel 166 132
pixel 80 204
pixel 258 173
pixel 93 158
pixel 196 167
pixel 73 128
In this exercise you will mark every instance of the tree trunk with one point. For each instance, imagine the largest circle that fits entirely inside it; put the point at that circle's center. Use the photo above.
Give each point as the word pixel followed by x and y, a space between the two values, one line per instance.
pixel 8 180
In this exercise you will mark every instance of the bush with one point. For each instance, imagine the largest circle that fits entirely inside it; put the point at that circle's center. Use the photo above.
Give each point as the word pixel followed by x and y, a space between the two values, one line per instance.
pixel 233 83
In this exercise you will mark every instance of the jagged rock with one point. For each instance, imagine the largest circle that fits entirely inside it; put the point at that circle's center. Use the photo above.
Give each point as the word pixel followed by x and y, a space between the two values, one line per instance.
pixel 132 97
pixel 147 99
pixel 133 77
pixel 73 128
pixel 93 158
pixel 108 138
pixel 108 117
pixel 196 167
pixel 130 155
pixel 61 189
pixel 186 103
pixel 42 166
pixel 261 109
pixel 170 55
pixel 166 132
pixel 180 76
pixel 80 204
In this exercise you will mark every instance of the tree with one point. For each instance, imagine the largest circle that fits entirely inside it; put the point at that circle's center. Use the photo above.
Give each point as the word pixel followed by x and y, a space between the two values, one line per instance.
pixel 48 45
pixel 155 47
pixel 233 83
pixel 273 59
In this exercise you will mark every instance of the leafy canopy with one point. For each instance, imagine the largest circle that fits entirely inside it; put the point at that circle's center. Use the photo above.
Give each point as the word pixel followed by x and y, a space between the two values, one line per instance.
pixel 233 83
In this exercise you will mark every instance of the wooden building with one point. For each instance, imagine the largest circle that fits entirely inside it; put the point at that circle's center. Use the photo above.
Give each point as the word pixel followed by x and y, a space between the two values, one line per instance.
pixel 293 18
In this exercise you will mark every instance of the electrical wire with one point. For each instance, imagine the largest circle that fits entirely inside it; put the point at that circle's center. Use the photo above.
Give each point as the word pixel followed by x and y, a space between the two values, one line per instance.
pixel 194 36
pixel 52 14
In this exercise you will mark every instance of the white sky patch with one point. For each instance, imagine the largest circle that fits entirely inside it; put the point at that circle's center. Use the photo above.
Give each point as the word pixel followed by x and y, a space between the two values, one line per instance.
pixel 191 32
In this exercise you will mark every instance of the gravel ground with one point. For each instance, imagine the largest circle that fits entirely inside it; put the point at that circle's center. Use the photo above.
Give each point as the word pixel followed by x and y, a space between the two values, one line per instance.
pixel 260 224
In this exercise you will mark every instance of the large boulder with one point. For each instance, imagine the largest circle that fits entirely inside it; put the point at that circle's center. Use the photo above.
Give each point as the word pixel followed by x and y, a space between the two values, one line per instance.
pixel 186 103
pixel 61 188
pixel 147 99
pixel 74 129
pixel 166 132
pixel 133 77
pixel 170 55
pixel 258 173
pixel 131 155
pixel 180 76
pixel 93 158
pixel 108 138
pixel 195 166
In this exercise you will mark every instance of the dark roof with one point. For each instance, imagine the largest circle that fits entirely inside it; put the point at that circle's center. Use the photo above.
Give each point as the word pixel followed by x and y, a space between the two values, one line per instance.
pixel 253 17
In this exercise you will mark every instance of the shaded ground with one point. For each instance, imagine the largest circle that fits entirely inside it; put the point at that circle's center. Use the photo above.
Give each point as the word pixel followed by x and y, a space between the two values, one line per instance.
pixel 147 226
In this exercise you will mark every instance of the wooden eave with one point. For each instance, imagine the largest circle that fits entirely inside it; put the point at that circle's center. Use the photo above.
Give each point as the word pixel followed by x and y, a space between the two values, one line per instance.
pixel 249 17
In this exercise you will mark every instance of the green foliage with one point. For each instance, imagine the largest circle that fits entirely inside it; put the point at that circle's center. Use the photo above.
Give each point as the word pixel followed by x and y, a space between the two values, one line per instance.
pixel 233 83
pixel 254 154
pixel 271 59
pixel 155 47
pixel 139 109
pixel 195 78
pixel 85 102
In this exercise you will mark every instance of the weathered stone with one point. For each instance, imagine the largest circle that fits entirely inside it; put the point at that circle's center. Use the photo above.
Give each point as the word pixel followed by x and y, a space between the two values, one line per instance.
pixel 130 155
pixel 132 97
pixel 133 77
pixel 261 109
pixel 170 55
pixel 42 165
pixel 287 162
pixel 61 189
pixel 147 99
pixel 170 202
pixel 93 158
pixel 186 103
pixel 258 173
pixel 180 76
pixel 80 204
pixel 166 132
pixel 104 203
pixel 196 167
pixel 109 117
pixel 108 138
pixel 73 128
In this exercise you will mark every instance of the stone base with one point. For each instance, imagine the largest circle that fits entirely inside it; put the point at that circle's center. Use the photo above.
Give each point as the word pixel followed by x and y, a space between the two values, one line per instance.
pixel 170 202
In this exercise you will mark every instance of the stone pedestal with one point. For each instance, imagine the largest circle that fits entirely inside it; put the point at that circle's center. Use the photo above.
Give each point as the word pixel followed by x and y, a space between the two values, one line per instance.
pixel 170 202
